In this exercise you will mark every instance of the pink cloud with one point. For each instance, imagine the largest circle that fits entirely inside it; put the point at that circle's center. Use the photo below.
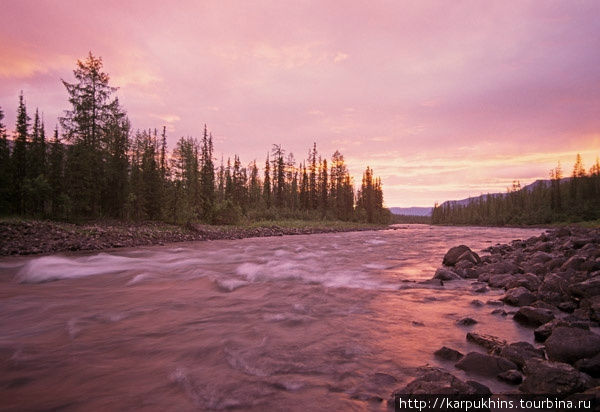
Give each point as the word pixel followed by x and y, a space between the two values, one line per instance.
pixel 431 82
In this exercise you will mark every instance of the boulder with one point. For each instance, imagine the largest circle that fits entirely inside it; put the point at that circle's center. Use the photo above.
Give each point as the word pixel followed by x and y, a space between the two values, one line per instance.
pixel 520 352
pixel 445 274
pixel 553 378
pixel 458 253
pixel 466 322
pixel 590 366
pixel 437 381
pixel 519 296
pixel 484 365
pixel 499 281
pixel 574 263
pixel 526 280
pixel 488 342
pixel 500 312
pixel 512 377
pixel 586 289
pixel 530 316
pixel 540 257
pixel 568 344
pixel 448 354
pixel 544 331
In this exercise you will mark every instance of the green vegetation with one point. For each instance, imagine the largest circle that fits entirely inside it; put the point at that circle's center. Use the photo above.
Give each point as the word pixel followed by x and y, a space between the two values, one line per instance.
pixel 98 168
pixel 557 201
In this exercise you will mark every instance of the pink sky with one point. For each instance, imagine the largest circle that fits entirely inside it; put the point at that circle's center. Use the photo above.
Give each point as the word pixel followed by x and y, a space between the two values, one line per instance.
pixel 444 99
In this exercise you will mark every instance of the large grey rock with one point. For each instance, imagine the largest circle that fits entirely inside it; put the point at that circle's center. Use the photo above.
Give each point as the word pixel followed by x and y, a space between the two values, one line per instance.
pixel 586 289
pixel 544 331
pixel 567 344
pixel 448 354
pixel 590 366
pixel 519 296
pixel 553 378
pixel 439 382
pixel 530 316
pixel 574 263
pixel 526 280
pixel 499 281
pixel 488 342
pixel 445 274
pixel 520 352
pixel 460 253
pixel 484 365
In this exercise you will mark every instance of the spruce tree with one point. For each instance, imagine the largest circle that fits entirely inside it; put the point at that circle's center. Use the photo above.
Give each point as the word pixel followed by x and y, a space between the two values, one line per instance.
pixel 19 156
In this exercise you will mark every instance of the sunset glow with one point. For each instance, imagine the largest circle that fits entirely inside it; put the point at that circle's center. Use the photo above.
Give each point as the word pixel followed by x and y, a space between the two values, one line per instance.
pixel 442 99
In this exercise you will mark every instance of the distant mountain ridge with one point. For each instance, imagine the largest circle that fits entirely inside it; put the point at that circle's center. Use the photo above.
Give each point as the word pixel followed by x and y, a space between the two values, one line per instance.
pixel 426 211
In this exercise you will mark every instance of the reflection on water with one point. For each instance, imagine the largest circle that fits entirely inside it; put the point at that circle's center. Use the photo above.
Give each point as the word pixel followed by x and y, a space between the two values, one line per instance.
pixel 316 322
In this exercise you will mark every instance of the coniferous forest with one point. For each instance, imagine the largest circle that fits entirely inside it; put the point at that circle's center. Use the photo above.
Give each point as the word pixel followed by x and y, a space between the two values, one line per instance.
pixel 93 165
pixel 561 199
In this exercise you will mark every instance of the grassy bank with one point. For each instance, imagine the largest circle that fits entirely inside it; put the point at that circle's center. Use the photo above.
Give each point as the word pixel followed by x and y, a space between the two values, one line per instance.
pixel 27 236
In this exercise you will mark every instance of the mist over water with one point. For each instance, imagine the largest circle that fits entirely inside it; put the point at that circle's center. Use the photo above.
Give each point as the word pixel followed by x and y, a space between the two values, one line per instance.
pixel 311 322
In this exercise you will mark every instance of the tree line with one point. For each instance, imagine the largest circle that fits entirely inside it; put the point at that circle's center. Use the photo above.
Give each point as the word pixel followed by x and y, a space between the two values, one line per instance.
pixel 559 199
pixel 96 166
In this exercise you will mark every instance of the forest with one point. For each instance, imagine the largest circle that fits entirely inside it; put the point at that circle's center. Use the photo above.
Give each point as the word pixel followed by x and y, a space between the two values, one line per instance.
pixel 95 166
pixel 560 199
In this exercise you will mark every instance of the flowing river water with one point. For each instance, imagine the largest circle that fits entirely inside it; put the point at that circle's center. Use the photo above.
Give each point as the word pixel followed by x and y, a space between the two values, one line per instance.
pixel 310 322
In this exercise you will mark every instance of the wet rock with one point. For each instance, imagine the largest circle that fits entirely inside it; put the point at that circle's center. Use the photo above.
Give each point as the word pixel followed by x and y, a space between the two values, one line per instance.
pixel 519 296
pixel 504 267
pixel 544 331
pixel 476 302
pixel 512 377
pixel 520 352
pixel 494 303
pixel 500 312
pixel 568 307
pixel 466 322
pixel 568 344
pixel 436 381
pixel 499 281
pixel 590 366
pixel 446 274
pixel 460 253
pixel 530 316
pixel 527 280
pixel 481 289
pixel 488 342
pixel 484 365
pixel 586 289
pixel 574 263
pixel 554 378
pixel 540 256
pixel 479 388
pixel 448 354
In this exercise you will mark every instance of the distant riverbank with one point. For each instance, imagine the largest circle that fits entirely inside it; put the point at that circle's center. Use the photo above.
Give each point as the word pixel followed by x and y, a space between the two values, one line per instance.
pixel 25 237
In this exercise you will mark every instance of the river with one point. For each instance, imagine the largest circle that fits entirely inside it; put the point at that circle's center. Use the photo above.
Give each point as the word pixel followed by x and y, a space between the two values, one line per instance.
pixel 311 322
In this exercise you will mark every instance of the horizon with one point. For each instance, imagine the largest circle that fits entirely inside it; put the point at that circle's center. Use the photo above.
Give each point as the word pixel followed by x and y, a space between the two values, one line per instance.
pixel 443 101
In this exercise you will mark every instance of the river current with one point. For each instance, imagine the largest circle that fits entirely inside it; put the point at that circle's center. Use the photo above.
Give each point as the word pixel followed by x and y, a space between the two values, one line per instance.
pixel 311 322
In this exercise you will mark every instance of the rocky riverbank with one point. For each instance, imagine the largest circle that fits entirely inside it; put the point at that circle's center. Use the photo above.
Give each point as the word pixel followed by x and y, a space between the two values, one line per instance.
pixel 552 285
pixel 24 237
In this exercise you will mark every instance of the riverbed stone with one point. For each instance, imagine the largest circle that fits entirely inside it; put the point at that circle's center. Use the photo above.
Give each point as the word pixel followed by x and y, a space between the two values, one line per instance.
pixel 446 274
pixel 520 352
pixel 527 280
pixel 530 316
pixel 484 365
pixel 436 381
pixel 586 289
pixel 499 281
pixel 488 342
pixel 568 344
pixel 590 366
pixel 448 354
pixel 553 378
pixel 519 296
pixel 512 377
pixel 459 253
pixel 543 332
pixel 467 321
